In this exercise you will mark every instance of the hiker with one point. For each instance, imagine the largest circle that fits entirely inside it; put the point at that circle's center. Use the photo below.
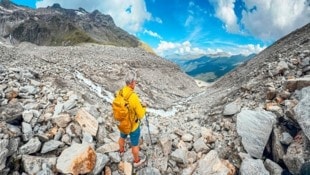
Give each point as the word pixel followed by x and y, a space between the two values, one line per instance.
pixel 139 110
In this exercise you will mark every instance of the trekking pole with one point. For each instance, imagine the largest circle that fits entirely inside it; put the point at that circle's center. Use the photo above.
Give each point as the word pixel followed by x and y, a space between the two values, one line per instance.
pixel 148 127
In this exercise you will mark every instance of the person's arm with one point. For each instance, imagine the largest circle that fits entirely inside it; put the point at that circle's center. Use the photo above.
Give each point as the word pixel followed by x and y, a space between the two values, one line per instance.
pixel 137 106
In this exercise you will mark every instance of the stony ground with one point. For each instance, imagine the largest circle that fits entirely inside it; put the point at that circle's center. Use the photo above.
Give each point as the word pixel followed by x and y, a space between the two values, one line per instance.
pixel 55 110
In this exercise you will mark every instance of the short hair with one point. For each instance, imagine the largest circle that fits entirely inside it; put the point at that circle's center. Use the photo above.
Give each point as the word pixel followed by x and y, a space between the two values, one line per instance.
pixel 130 77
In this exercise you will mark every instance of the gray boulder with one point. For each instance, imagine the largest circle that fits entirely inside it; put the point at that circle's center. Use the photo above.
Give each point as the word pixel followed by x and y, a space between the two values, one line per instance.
pixel 33 164
pixel 294 157
pixel 149 171
pixel 3 153
pixel 302 111
pixel 211 164
pixel 253 167
pixel 231 108
pixel 273 167
pixel 255 127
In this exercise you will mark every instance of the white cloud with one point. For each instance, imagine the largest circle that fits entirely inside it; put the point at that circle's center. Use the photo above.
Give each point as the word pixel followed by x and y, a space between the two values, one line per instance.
pixel 153 34
pixel 158 20
pixel 264 19
pixel 224 10
pixel 272 19
pixel 247 49
pixel 189 20
pixel 131 21
pixel 169 48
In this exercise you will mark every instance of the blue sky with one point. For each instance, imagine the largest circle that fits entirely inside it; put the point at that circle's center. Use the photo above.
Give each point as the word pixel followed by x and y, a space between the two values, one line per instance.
pixel 195 27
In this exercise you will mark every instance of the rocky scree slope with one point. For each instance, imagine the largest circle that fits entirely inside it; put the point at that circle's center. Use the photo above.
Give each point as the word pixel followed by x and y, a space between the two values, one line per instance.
pixel 41 84
pixel 55 105
pixel 265 109
pixel 56 26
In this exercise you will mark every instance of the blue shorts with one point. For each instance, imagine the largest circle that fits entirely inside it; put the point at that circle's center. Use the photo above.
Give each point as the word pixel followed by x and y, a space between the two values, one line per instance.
pixel 134 137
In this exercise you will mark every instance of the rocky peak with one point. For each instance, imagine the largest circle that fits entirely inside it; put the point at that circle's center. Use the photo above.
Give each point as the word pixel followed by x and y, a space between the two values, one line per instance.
pixel 6 3
pixel 100 18
pixel 56 6
pixel 58 26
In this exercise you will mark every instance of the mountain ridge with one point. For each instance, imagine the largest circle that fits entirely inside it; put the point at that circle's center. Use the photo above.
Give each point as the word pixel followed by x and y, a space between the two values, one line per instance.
pixel 209 68
pixel 57 26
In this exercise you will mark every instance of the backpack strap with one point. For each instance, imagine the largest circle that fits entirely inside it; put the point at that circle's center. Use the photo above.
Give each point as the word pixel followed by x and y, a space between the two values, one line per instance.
pixel 125 97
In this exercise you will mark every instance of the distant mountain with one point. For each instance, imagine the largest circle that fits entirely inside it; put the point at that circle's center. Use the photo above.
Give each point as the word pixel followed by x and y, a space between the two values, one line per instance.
pixel 54 26
pixel 209 67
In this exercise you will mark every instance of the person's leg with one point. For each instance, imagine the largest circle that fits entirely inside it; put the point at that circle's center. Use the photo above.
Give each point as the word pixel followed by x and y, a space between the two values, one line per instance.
pixel 121 142
pixel 134 139
pixel 135 152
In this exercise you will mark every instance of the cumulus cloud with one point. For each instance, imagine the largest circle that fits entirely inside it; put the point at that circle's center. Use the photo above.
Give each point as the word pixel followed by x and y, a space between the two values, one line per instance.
pixel 224 10
pixel 272 19
pixel 129 15
pixel 169 48
pixel 153 34
pixel 247 49
pixel 264 19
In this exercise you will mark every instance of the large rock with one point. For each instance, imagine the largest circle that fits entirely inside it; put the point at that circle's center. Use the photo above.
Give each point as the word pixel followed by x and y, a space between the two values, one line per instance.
pixel 101 161
pixel 149 170
pixel 13 145
pixel 200 146
pixel 294 157
pixel 31 90
pixel 77 159
pixel 62 120
pixel 255 127
pixel 33 164
pixel 298 83
pixel 3 153
pixel 32 146
pixel 109 147
pixel 302 111
pixel 51 146
pixel 282 66
pixel 272 167
pixel 231 108
pixel 253 167
pixel 87 121
pixel 211 164
pixel 166 144
pixel 11 113
pixel 277 147
pixel 180 156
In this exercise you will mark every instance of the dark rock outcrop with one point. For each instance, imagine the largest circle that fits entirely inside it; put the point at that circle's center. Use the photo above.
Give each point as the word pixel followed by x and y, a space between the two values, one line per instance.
pixel 54 26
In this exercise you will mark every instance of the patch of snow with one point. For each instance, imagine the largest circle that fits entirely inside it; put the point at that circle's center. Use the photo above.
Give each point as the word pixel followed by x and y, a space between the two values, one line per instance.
pixel 79 13
pixel 161 112
pixel 6 10
pixel 20 8
pixel 110 96
pixel 202 83
pixel 95 88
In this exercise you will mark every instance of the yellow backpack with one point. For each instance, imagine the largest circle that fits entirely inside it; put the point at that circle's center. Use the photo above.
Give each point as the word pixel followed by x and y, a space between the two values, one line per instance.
pixel 122 112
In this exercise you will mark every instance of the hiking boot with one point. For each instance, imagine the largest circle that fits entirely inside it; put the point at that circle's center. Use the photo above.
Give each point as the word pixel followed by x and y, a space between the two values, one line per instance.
pixel 140 162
